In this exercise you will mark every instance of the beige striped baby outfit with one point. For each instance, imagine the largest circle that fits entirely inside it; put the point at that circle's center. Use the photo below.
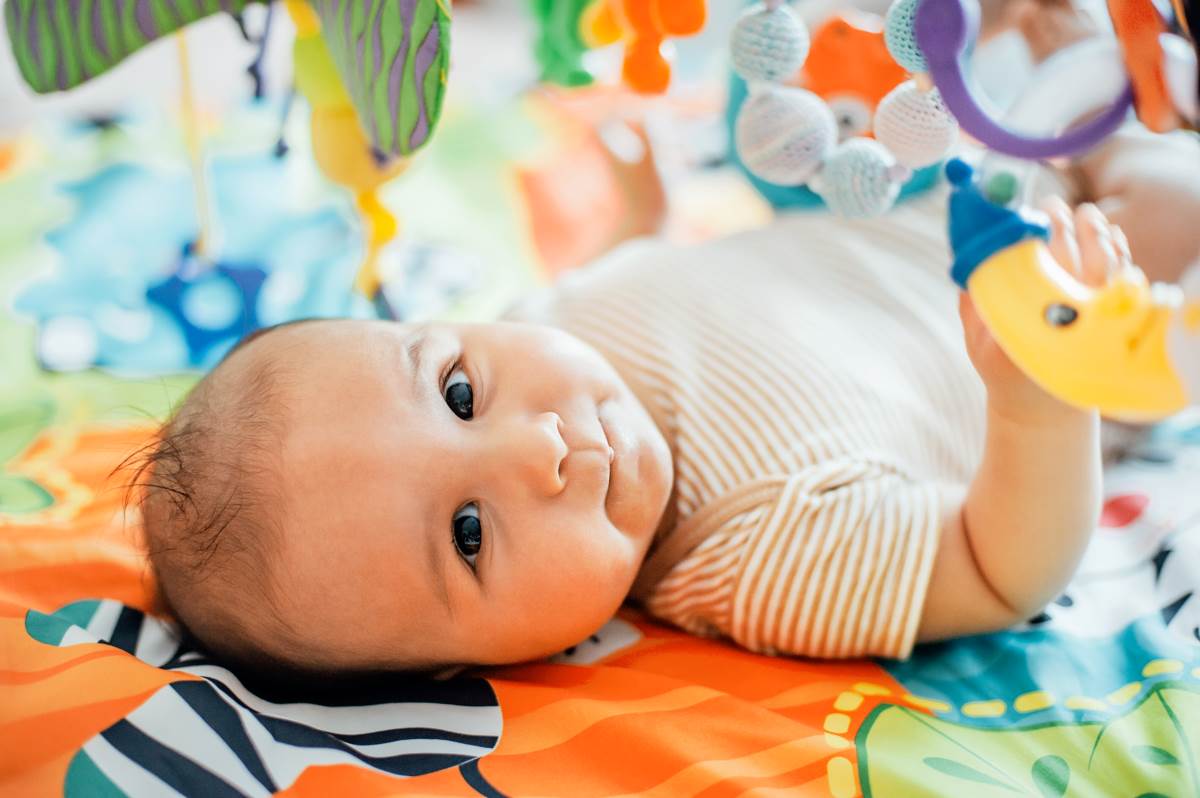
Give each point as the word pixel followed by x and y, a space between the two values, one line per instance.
pixel 812 382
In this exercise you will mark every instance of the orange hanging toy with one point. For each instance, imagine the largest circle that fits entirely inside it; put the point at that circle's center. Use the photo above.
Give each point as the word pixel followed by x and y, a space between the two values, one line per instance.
pixel 644 25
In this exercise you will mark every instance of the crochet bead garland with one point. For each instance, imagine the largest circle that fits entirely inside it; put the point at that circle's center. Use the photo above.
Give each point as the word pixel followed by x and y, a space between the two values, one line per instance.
pixel 789 137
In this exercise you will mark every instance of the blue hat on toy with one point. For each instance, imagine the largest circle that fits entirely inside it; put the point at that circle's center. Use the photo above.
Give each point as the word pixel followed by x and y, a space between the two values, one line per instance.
pixel 979 228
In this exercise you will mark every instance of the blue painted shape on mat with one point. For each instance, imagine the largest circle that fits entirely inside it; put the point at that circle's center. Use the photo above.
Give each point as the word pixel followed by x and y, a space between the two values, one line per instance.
pixel 231 313
pixel 1008 664
pixel 131 222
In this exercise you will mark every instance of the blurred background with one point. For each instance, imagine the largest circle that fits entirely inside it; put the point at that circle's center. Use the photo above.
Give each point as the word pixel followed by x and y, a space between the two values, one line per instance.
pixel 152 215
pixel 98 194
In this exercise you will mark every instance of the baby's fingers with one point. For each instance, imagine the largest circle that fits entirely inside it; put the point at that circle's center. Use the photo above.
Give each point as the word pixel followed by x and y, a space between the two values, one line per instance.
pixel 1062 234
pixel 1121 243
pixel 1098 251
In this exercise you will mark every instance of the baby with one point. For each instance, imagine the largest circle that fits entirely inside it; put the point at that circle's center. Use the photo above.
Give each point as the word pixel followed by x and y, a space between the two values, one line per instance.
pixel 783 438
pixel 778 437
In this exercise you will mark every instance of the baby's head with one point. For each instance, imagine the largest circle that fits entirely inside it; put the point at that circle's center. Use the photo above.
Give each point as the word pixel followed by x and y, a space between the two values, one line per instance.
pixel 356 496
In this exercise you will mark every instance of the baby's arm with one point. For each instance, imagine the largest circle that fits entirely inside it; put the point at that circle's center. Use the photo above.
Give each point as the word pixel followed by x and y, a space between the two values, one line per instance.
pixel 1012 542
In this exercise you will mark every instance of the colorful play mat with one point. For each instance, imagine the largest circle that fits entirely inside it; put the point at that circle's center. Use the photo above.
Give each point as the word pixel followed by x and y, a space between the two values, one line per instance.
pixel 1098 696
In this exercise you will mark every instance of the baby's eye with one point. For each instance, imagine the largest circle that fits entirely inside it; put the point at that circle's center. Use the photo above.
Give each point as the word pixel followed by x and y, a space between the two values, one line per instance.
pixel 468 533
pixel 459 396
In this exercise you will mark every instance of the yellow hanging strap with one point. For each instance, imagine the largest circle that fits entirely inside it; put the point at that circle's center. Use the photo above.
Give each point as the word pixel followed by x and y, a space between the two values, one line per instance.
pixel 340 146
pixel 380 226
pixel 205 240
pixel 303 17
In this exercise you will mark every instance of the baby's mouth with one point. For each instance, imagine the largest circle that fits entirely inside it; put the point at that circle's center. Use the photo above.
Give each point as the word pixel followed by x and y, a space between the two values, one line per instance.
pixel 612 455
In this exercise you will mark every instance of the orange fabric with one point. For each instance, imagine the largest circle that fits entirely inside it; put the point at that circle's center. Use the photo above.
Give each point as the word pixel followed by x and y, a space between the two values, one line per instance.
pixel 54 699
pixel 708 719
pixel 703 700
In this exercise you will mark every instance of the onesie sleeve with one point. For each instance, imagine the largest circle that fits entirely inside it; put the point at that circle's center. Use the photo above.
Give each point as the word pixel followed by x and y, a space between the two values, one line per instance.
pixel 834 564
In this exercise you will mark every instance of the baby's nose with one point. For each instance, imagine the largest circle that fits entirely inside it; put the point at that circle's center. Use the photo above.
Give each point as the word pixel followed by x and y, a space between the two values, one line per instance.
pixel 542 452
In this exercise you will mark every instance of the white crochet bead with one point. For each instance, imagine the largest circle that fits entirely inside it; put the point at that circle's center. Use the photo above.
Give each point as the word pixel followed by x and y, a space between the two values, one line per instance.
pixel 783 134
pixel 915 125
pixel 860 178
pixel 769 44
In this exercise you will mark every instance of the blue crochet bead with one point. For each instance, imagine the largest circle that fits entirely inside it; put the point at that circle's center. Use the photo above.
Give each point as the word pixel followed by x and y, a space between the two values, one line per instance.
pixel 769 44
pixel 901 37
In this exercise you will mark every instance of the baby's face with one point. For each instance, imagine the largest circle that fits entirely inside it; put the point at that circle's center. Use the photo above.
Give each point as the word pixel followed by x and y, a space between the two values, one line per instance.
pixel 457 494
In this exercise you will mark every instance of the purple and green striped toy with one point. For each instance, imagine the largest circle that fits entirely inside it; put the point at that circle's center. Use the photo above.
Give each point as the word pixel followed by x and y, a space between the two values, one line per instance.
pixel 391 55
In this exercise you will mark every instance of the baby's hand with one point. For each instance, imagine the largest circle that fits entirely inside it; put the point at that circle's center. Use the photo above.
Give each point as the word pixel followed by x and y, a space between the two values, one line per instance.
pixel 1089 247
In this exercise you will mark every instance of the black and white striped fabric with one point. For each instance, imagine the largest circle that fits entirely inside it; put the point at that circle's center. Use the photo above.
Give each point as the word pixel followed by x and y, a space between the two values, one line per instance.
pixel 222 737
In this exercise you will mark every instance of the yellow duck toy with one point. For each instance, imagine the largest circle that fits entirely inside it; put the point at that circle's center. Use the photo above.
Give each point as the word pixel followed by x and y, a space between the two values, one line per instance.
pixel 1127 348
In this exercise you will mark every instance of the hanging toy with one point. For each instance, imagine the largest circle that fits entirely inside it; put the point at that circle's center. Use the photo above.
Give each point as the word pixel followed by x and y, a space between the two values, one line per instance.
pixel 567 28
pixel 915 125
pixel 560 42
pixel 374 72
pixel 789 136
pixel 340 146
pixel 396 85
pixel 1128 348
pixel 784 135
pixel 1145 68
pixel 899 34
pixel 1162 68
pixel 860 178
pixel 648 24
pixel 770 45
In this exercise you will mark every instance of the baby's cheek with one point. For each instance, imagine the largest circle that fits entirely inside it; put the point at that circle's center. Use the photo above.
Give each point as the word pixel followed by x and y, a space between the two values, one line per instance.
pixel 590 562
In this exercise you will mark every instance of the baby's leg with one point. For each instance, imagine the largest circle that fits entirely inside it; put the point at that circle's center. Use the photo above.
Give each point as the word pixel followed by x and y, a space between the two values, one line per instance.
pixel 1147 184
pixel 1049 25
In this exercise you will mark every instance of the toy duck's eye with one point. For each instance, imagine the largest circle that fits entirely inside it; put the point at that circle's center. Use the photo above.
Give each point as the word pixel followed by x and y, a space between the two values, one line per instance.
pixel 1059 315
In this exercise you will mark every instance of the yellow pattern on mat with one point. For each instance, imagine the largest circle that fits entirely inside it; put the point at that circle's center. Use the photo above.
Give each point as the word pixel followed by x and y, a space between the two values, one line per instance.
pixel 559 722
pixel 775 761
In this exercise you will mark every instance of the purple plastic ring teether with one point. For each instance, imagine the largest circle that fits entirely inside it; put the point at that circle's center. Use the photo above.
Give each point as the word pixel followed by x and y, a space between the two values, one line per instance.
pixel 943 28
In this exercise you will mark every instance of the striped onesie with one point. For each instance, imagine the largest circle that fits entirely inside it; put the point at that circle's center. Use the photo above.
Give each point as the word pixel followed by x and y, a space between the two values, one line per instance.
pixel 812 382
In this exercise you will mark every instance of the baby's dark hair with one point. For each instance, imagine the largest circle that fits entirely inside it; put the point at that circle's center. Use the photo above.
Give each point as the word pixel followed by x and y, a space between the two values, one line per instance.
pixel 209 504
pixel 213 499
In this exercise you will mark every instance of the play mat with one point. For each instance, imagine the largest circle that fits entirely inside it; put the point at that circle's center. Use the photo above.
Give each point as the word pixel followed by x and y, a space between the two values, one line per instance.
pixel 1099 696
